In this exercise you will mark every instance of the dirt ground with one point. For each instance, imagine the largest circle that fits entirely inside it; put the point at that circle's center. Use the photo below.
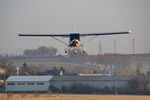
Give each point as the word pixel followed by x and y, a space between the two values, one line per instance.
pixel 70 97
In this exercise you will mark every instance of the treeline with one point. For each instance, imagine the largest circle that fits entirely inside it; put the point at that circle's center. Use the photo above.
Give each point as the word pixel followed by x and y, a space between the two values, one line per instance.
pixel 30 70
pixel 10 56
pixel 114 63
pixel 41 51
pixel 8 68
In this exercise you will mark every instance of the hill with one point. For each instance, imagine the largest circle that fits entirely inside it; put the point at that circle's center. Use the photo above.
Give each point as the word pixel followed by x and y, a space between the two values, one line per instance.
pixel 115 64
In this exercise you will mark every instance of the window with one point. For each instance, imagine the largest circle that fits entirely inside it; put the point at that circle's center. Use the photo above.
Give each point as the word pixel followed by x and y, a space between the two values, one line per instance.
pixel 10 83
pixel 30 83
pixel 74 36
pixel 20 83
pixel 39 83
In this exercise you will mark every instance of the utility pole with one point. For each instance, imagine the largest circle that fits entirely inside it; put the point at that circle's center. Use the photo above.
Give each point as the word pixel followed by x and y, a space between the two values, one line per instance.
pixel 133 44
pixel 17 70
pixel 100 48
pixel 114 46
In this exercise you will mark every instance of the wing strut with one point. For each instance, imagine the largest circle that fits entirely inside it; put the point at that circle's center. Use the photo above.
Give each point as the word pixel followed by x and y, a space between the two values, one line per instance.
pixel 59 40
pixel 89 40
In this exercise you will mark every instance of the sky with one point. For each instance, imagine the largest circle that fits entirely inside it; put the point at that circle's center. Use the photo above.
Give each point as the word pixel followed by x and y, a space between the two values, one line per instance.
pixel 59 16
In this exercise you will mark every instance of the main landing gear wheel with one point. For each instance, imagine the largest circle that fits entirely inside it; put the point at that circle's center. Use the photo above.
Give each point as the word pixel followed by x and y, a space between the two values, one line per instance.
pixel 84 50
pixel 65 50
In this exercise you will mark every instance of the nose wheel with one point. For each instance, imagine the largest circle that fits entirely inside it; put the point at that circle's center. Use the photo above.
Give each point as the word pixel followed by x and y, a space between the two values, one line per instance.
pixel 75 52
pixel 84 51
pixel 66 50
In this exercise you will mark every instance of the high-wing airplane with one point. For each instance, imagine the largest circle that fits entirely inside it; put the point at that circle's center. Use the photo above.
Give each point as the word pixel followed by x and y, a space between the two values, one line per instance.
pixel 74 41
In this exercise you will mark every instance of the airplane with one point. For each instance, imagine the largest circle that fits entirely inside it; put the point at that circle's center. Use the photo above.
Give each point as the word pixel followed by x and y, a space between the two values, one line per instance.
pixel 74 41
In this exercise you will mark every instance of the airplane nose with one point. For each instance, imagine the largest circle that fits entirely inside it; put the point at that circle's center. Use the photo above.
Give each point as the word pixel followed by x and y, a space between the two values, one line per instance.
pixel 75 42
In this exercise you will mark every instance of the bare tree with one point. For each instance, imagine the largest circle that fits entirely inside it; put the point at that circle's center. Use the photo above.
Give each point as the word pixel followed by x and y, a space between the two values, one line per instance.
pixel 10 68
pixel 139 83
pixel 30 70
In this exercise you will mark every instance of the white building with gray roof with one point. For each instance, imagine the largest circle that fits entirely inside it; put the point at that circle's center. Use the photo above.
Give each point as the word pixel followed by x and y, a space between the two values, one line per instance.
pixel 28 83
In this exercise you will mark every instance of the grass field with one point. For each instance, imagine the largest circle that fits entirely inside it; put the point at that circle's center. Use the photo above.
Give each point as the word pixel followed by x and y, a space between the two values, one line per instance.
pixel 71 97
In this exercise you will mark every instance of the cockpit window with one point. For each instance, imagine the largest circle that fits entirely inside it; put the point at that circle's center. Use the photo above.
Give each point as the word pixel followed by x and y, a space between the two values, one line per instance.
pixel 74 36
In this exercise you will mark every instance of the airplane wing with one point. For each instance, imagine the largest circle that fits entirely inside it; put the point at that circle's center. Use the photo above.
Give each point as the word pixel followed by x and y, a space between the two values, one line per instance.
pixel 104 33
pixel 44 34
pixel 81 34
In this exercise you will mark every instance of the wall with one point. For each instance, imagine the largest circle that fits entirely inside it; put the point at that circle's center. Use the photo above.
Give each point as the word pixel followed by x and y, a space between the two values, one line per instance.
pixel 99 84
pixel 29 88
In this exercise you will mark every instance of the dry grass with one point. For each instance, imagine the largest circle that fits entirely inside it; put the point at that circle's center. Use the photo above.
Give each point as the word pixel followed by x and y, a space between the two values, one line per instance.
pixel 71 97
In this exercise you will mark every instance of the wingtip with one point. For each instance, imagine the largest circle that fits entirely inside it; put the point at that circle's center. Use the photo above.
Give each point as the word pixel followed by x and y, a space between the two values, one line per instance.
pixel 19 34
pixel 130 32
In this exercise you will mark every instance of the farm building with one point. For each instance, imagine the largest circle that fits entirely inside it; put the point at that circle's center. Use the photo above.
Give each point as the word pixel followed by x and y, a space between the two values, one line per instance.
pixel 44 83
pixel 28 83
pixel 121 82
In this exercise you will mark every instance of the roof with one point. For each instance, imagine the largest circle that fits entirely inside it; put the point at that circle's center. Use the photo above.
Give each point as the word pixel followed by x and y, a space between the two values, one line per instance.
pixel 94 74
pixel 53 72
pixel 91 78
pixel 29 78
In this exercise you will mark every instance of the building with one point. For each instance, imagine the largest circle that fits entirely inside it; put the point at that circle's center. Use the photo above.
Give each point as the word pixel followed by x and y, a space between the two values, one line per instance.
pixel 28 83
pixel 55 71
pixel 43 83
pixel 121 82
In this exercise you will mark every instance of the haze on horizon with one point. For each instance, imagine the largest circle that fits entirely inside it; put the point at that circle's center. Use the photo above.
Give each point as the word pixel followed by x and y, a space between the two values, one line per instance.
pixel 59 16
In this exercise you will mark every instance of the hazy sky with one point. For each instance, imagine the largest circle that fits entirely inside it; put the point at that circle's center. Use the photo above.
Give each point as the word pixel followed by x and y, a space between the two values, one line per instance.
pixel 59 16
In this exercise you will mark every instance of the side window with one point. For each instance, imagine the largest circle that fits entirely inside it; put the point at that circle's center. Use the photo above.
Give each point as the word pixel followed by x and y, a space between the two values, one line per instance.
pixel 20 83
pixel 39 83
pixel 77 37
pixel 74 36
pixel 71 37
pixel 10 83
pixel 30 83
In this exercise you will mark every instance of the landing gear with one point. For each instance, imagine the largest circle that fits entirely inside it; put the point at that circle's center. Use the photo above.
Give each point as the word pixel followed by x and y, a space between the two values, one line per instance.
pixel 84 50
pixel 66 50
pixel 75 50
